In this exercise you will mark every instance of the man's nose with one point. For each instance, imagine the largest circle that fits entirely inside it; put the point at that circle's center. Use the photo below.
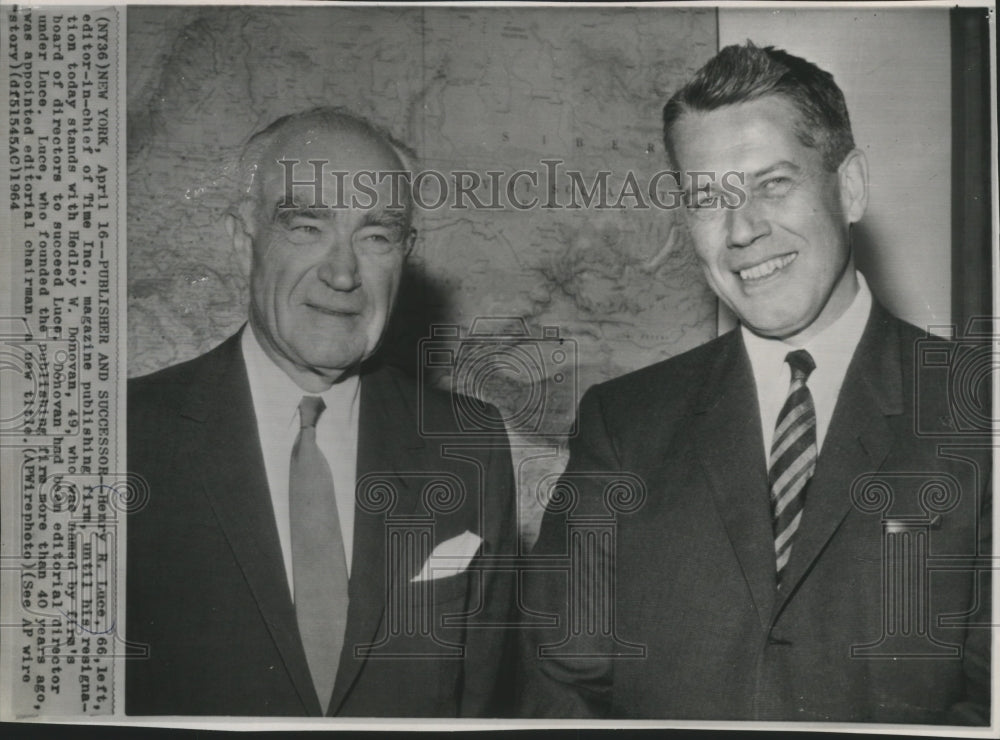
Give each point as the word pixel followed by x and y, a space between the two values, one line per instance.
pixel 745 224
pixel 339 268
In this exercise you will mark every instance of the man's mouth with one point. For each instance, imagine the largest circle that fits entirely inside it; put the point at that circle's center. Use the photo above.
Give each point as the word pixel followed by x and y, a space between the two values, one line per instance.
pixel 332 311
pixel 768 268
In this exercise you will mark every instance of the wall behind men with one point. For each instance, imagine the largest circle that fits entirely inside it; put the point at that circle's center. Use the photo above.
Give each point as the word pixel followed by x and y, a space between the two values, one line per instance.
pixel 601 290
pixel 504 89
pixel 495 89
pixel 894 66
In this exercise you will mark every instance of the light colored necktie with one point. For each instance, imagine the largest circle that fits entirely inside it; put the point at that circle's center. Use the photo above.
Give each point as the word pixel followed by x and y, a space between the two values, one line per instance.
pixel 793 457
pixel 319 565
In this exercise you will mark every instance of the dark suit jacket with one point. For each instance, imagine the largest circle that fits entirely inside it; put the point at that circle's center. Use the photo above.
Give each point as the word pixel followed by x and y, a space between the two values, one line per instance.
pixel 207 590
pixel 695 573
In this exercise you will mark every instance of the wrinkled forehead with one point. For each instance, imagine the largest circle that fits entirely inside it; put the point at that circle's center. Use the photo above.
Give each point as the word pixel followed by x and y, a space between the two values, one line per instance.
pixel 302 151
pixel 741 136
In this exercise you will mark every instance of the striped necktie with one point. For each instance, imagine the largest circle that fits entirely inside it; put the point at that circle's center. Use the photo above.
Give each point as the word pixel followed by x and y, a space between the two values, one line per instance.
pixel 319 565
pixel 793 457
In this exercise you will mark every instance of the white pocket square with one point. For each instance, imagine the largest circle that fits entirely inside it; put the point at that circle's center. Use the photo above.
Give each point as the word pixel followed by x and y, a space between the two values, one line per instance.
pixel 450 557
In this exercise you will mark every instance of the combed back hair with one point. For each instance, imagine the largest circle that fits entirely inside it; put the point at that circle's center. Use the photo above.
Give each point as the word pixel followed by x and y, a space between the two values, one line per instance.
pixel 331 117
pixel 739 74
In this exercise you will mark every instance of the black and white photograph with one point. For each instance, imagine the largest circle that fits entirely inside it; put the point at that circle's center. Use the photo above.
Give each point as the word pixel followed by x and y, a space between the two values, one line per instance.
pixel 500 365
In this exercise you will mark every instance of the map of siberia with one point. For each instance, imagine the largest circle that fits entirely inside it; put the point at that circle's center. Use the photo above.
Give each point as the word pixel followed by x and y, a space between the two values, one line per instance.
pixel 500 89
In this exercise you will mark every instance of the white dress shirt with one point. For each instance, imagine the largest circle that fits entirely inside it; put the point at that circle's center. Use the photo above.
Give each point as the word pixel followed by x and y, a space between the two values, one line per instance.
pixel 276 400
pixel 831 349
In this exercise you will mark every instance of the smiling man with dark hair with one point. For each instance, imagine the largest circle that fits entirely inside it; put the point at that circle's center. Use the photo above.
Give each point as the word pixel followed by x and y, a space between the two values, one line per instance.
pixel 759 578
pixel 271 572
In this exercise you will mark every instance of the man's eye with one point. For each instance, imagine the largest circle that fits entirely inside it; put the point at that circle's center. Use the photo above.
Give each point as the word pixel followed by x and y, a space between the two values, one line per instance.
pixel 304 228
pixel 776 185
pixel 382 239
pixel 703 199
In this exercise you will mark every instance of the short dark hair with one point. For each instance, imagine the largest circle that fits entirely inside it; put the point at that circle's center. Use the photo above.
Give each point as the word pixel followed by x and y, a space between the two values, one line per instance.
pixel 739 74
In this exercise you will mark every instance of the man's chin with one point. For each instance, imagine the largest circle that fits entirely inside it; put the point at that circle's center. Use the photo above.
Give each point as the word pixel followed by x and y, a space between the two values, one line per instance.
pixel 334 365
pixel 335 359
pixel 773 326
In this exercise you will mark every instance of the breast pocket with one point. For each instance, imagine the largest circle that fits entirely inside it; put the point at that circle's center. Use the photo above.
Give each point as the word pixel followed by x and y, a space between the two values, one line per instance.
pixel 443 590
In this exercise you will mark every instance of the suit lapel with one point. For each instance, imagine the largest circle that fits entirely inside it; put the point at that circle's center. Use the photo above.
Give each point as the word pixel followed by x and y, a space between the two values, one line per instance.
pixel 857 442
pixel 389 445
pixel 731 448
pixel 231 466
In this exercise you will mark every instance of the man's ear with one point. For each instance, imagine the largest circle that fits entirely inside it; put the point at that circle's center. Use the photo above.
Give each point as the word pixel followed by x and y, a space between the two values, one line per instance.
pixel 853 177
pixel 240 235
pixel 411 239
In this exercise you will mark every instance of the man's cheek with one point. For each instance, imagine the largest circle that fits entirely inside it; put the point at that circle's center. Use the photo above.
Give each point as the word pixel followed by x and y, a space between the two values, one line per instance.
pixel 709 264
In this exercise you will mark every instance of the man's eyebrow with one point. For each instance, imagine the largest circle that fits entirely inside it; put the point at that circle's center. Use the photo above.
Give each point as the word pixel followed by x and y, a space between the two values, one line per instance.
pixel 782 165
pixel 386 218
pixel 284 213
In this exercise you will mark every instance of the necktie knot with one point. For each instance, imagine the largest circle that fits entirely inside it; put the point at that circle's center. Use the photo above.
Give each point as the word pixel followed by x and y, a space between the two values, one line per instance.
pixel 310 407
pixel 802 364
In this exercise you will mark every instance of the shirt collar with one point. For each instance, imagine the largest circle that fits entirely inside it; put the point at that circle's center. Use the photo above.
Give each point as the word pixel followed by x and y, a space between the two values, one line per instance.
pixel 831 349
pixel 276 396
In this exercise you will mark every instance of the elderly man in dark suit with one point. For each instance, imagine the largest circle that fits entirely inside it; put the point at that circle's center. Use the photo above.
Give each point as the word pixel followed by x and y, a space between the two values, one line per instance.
pixel 305 551
pixel 795 475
